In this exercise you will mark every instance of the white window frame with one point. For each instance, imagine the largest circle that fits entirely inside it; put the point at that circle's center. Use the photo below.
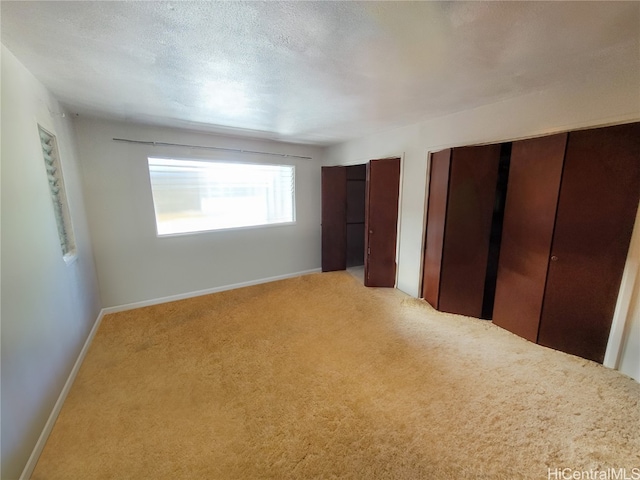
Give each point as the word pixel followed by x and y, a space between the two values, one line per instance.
pixel 55 179
pixel 199 160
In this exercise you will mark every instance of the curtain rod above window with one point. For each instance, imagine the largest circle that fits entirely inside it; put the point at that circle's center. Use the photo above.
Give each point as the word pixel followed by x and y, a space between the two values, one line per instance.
pixel 204 147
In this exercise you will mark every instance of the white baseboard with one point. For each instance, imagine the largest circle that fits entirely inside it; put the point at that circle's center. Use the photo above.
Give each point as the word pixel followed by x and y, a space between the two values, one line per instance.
pixel 46 431
pixel 183 296
pixel 48 427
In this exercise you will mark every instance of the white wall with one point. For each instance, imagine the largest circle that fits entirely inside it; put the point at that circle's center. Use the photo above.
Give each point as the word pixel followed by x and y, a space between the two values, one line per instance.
pixel 48 307
pixel 134 265
pixel 597 101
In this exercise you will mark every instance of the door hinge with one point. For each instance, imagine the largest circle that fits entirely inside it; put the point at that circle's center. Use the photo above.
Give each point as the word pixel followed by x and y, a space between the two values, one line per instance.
pixel 368 251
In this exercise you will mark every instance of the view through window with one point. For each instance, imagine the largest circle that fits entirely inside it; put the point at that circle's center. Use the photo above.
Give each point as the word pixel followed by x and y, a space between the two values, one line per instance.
pixel 199 195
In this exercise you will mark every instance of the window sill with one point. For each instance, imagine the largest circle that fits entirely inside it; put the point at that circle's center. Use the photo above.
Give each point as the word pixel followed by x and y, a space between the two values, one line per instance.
pixel 70 258
pixel 223 230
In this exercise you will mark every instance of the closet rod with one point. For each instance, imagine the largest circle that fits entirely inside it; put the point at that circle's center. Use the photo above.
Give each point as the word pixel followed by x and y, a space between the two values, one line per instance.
pixel 204 147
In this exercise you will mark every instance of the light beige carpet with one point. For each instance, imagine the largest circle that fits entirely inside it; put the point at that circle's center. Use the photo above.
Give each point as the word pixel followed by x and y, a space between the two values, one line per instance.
pixel 319 377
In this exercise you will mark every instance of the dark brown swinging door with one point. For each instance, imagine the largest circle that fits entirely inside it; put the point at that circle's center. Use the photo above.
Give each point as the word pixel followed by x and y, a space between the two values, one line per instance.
pixel 381 222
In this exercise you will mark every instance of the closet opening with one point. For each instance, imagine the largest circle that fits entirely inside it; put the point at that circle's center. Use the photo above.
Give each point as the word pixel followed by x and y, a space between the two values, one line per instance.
pixel 360 220
pixel 496 232
pixel 356 186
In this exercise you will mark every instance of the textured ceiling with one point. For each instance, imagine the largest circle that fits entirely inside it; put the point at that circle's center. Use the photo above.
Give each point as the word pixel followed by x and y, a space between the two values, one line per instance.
pixel 312 72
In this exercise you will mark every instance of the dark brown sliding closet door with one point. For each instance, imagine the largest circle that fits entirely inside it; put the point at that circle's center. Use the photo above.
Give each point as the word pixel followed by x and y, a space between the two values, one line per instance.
pixel 467 230
pixel 529 218
pixel 596 212
pixel 436 216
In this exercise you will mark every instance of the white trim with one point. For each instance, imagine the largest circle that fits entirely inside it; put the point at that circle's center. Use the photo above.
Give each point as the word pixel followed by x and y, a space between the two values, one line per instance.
pixel 425 217
pixel 198 293
pixel 619 322
pixel 48 427
pixel 628 285
pixel 71 257
pixel 541 132
pixel 399 223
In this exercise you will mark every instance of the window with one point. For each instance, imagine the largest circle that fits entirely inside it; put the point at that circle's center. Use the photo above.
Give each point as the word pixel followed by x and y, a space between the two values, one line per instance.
pixel 194 196
pixel 58 193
